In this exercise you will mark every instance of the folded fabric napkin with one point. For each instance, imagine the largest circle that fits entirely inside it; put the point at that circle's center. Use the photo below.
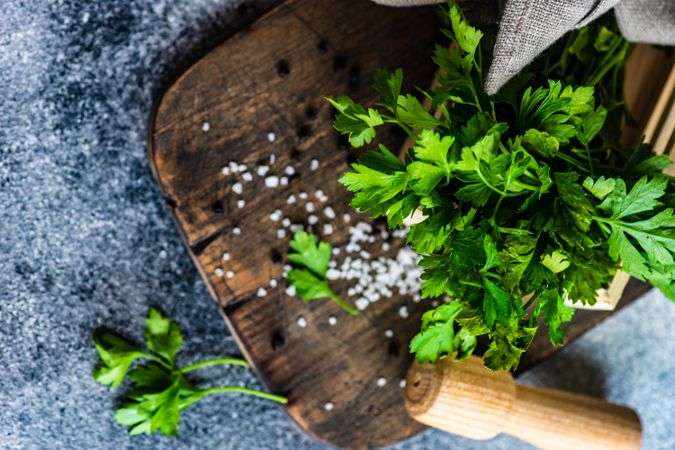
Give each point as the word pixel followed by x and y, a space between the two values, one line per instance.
pixel 528 27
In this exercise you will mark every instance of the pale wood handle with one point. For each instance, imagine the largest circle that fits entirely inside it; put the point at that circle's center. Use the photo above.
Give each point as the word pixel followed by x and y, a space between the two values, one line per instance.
pixel 468 399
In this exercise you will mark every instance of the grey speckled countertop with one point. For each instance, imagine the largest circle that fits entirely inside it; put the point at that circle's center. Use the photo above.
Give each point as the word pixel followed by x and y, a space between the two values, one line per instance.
pixel 85 241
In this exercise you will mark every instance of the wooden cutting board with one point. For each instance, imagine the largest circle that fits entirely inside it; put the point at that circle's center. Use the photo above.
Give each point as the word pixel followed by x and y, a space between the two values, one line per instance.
pixel 257 101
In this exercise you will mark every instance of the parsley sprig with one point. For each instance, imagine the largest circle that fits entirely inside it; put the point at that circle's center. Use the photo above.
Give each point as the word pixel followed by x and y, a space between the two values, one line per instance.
pixel 160 390
pixel 528 198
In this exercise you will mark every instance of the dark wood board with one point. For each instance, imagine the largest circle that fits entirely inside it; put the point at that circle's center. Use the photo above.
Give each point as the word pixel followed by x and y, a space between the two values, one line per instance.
pixel 272 77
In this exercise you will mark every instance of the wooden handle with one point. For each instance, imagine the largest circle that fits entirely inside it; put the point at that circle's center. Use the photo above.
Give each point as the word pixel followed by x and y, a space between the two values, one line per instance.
pixel 467 399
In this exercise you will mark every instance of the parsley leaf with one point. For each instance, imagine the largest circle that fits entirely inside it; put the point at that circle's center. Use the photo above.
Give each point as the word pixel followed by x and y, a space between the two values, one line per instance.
pixel 309 279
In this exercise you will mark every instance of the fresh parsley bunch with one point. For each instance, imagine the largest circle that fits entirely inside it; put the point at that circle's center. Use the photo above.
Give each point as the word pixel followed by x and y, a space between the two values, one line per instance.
pixel 527 196
pixel 161 390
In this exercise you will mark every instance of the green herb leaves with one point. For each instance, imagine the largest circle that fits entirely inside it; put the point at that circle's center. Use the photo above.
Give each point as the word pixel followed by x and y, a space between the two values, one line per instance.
pixel 309 279
pixel 527 200
pixel 161 390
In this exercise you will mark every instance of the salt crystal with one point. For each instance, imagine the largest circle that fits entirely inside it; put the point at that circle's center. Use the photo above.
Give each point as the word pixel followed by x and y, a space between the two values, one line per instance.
pixel 346 218
pixel 402 383
pixel 328 212
pixel 314 164
pixel 364 254
pixel 286 222
pixel 290 291
pixel 309 207
pixel 225 170
pixel 362 303
pixel 236 230
pixel 291 199
pixel 219 272
pixel 274 283
pixel 162 254
pixel 283 181
pixel 302 322
pixel 385 246
pixel 229 274
pixel 241 203
pixel 328 406
pixel 289 170
pixel 242 168
pixel 262 170
pixel 234 167
pixel 276 215
pixel 388 333
pixel 327 229
pixel 247 176
pixel 403 312
pixel 272 181
pixel 319 193
pixel 273 158
pixel 312 219
pixel 237 188
pixel 303 195
pixel 271 136
pixel 261 292
pixel 295 227
pixel 281 233
pixel 206 127
pixel 332 274
pixel 335 251
pixel 226 256
pixel 332 320
pixel 381 382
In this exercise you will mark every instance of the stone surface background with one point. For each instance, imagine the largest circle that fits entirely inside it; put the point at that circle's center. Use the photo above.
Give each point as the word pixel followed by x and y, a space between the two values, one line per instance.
pixel 85 241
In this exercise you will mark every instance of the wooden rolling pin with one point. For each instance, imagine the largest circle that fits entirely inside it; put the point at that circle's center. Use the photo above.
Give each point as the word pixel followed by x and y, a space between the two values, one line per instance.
pixel 467 399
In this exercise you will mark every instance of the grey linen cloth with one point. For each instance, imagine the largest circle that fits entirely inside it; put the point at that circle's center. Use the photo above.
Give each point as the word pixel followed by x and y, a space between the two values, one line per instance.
pixel 528 27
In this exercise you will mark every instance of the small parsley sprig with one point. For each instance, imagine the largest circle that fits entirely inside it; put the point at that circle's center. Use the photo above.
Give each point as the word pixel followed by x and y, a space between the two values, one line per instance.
pixel 527 196
pixel 160 390
pixel 309 276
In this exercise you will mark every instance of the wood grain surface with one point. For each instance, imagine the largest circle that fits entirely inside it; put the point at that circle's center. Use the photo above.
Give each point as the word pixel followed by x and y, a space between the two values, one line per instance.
pixel 271 79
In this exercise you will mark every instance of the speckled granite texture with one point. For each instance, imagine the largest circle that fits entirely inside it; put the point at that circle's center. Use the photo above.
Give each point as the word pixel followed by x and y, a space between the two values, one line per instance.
pixel 85 241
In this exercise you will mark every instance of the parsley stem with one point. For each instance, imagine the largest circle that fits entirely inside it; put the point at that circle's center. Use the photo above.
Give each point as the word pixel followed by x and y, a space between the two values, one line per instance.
pixel 471 283
pixel 159 360
pixel 344 305
pixel 243 390
pixel 213 362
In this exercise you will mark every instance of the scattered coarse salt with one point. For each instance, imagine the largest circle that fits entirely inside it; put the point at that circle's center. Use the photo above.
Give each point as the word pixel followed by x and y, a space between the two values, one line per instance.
pixel 274 283
pixel 381 382
pixel 272 181
pixel 416 298
pixel 273 158
pixel 242 168
pixel 291 199
pixel 389 333
pixel 229 274
pixel 332 274
pixel 237 188
pixel 234 167
pixel 261 292
pixel 241 203
pixel 385 246
pixel 403 312
pixel 236 230
pixel 271 136
pixel 302 322
pixel 328 406
pixel 364 254
pixel 312 219
pixel 226 256
pixel 163 254
pixel 314 164
pixel 206 127
pixel 346 218
pixel 286 222
pixel 335 251
pixel 329 212
pixel 332 320
pixel 362 303
pixel 247 176
pixel 295 227
pixel 283 181
pixel 219 272
pixel 225 170
pixel 290 291
pixel 303 195
pixel 402 383
pixel 327 229
pixel 276 215
pixel 309 206
pixel 281 233
pixel 319 193
pixel 289 170
pixel 262 170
